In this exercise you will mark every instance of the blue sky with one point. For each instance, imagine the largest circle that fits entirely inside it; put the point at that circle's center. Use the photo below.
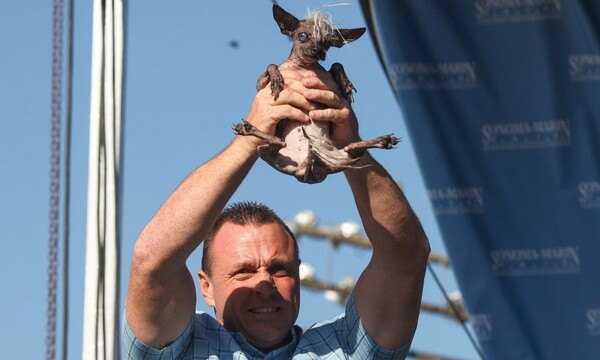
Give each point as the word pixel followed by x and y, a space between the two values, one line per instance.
pixel 185 87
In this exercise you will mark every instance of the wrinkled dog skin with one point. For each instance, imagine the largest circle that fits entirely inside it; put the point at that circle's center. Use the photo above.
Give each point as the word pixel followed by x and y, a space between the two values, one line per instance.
pixel 305 150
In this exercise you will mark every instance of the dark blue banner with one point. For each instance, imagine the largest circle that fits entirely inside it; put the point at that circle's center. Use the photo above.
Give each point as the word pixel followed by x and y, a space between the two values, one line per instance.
pixel 502 100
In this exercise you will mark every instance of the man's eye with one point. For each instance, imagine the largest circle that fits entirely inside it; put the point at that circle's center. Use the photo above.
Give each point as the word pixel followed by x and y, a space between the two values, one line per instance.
pixel 243 273
pixel 279 271
pixel 303 36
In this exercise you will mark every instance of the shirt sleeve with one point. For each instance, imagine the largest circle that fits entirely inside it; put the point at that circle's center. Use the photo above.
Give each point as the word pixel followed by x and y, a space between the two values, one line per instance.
pixel 361 344
pixel 134 349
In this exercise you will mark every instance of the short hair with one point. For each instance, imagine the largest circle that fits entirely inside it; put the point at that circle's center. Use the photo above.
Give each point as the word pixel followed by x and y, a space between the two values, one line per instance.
pixel 243 213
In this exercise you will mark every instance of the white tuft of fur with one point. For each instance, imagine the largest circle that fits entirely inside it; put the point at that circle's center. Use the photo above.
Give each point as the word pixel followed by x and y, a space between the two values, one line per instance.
pixel 323 26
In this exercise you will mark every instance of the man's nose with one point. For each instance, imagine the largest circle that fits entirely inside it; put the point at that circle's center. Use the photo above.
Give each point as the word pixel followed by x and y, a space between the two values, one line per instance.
pixel 265 285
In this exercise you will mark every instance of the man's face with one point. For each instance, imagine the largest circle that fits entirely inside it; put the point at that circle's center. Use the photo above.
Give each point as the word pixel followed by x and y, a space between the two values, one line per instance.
pixel 254 284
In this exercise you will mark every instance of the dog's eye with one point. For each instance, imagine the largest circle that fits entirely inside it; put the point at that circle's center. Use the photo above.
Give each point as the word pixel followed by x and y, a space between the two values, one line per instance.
pixel 303 36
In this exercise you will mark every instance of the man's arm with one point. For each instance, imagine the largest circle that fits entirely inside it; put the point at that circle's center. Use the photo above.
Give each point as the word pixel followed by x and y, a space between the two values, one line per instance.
pixel 388 293
pixel 161 297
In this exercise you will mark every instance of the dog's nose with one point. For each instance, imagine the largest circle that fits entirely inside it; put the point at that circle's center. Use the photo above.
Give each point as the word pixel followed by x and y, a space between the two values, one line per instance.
pixel 318 53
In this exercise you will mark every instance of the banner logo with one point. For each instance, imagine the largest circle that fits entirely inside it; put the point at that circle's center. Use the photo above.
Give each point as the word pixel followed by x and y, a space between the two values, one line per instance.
pixel 526 135
pixel 589 194
pixel 455 200
pixel 482 325
pixel 504 11
pixel 447 75
pixel 584 67
pixel 544 261
pixel 593 322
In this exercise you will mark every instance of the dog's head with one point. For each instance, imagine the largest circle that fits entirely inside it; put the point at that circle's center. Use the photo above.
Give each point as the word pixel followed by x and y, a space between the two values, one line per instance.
pixel 314 35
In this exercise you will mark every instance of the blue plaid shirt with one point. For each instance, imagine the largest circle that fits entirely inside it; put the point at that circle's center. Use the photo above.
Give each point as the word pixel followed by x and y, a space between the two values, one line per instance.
pixel 341 338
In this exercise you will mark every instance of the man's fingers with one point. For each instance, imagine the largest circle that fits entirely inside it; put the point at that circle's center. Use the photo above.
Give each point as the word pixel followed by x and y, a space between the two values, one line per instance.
pixel 321 83
pixel 329 114
pixel 290 112
pixel 292 95
pixel 326 97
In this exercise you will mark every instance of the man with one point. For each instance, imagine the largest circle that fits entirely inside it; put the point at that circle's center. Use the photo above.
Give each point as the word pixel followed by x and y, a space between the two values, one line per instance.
pixel 251 275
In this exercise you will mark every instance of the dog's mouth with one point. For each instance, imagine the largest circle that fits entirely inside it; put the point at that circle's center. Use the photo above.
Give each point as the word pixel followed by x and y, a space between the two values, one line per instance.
pixel 318 55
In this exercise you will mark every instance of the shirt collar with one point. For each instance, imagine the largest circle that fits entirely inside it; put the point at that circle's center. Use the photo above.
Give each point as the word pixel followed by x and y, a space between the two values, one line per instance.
pixel 286 351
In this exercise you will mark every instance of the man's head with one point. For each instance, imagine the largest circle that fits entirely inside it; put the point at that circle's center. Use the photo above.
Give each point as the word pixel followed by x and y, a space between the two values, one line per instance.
pixel 250 274
pixel 243 213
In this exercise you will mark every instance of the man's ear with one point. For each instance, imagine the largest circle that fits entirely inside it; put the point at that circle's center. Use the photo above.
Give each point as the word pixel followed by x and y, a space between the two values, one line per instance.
pixel 345 36
pixel 206 288
pixel 287 22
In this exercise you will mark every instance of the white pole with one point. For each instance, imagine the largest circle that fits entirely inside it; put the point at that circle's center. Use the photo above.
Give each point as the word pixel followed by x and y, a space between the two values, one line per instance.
pixel 111 242
pixel 101 298
pixel 90 308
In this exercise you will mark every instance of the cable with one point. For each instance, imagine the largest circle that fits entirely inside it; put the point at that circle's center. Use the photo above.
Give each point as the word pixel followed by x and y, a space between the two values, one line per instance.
pixel 456 311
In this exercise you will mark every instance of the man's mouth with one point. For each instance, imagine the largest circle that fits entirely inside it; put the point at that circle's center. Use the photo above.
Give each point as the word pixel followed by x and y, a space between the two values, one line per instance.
pixel 264 310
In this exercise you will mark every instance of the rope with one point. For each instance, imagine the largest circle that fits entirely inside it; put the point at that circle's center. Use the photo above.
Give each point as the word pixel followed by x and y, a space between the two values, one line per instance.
pixel 55 143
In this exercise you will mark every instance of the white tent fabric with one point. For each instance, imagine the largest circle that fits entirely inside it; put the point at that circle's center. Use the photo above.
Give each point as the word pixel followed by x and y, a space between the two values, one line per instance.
pixel 101 302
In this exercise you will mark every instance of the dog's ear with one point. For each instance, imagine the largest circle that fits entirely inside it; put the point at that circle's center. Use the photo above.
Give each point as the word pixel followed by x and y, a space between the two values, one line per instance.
pixel 287 22
pixel 345 36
